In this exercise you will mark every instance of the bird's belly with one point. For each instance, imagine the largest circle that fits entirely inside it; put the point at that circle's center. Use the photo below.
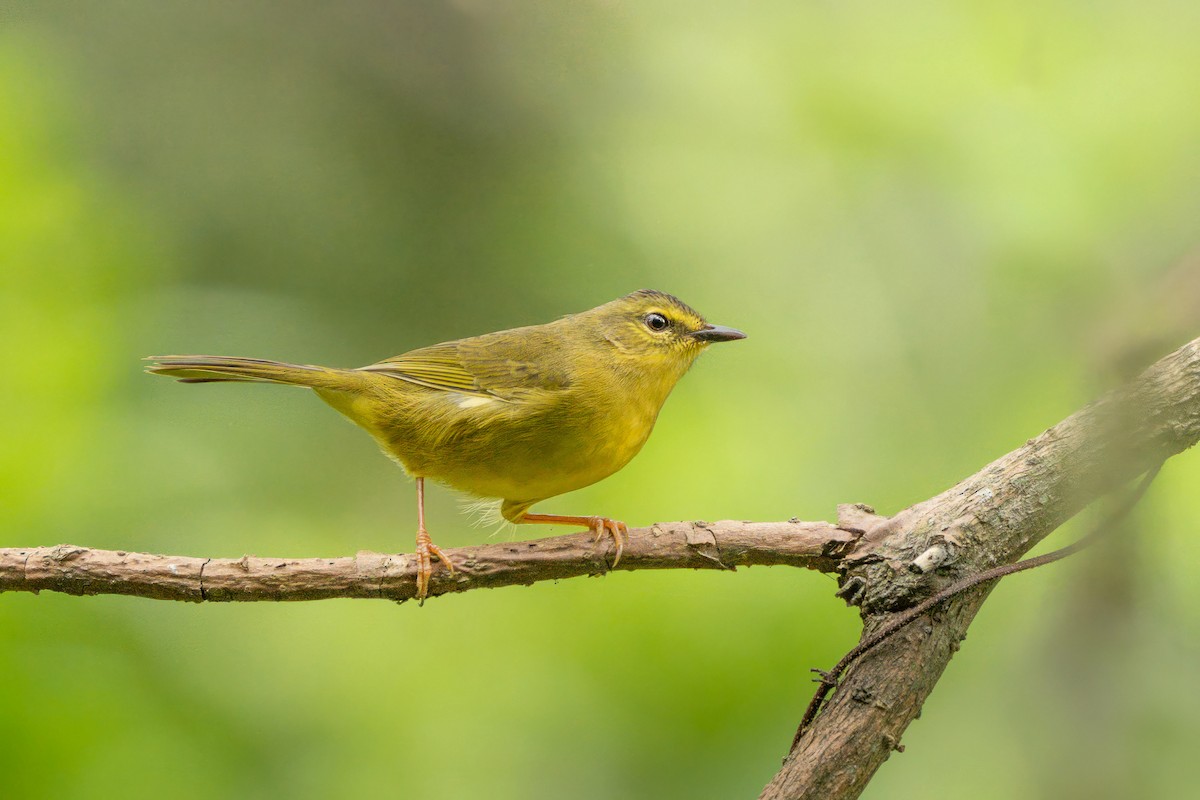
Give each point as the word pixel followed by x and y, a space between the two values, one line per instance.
pixel 515 452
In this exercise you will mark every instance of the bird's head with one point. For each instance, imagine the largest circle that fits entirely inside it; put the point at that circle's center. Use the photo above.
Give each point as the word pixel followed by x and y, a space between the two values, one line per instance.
pixel 656 331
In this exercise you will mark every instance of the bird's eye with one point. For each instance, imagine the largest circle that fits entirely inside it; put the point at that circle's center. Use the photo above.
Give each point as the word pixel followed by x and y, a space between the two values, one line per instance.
pixel 656 322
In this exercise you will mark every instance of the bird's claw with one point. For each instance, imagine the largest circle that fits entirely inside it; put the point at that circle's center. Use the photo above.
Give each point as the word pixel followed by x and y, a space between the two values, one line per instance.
pixel 426 551
pixel 619 531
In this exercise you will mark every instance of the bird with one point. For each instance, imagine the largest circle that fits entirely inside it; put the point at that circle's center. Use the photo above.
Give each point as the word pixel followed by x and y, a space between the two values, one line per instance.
pixel 518 415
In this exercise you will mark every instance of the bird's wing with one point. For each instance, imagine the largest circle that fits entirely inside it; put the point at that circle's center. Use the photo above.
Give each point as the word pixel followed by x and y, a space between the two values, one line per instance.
pixel 435 367
pixel 507 365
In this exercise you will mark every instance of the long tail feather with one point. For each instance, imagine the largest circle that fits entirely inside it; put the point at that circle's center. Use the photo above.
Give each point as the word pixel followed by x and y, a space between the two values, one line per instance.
pixel 211 369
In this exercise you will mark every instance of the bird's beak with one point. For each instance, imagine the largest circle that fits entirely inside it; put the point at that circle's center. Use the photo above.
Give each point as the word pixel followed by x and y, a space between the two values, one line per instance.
pixel 717 333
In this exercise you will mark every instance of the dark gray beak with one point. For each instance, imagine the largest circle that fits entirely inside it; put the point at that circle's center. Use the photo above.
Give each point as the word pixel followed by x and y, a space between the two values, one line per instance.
pixel 717 333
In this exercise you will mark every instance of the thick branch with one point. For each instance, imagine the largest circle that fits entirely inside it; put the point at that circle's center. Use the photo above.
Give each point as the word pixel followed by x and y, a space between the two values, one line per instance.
pixel 990 518
pixel 692 545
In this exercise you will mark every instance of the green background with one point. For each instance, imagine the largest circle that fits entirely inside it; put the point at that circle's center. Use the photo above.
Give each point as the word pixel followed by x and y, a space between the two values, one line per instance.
pixel 944 225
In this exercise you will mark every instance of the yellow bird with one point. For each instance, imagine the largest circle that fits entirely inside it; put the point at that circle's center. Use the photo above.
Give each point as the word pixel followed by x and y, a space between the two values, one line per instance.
pixel 521 415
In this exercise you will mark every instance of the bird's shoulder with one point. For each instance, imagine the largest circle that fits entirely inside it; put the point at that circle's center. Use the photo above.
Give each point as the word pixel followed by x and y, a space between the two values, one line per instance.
pixel 505 364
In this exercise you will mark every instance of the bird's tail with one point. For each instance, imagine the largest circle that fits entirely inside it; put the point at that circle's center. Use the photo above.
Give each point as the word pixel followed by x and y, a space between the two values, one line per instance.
pixel 209 369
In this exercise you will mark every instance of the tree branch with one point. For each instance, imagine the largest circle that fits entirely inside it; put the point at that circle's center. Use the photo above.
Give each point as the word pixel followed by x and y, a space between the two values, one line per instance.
pixel 829 679
pixel 885 564
pixel 691 545
pixel 991 518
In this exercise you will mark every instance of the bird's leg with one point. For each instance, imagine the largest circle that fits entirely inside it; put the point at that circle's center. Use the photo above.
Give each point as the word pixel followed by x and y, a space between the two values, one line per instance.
pixel 600 526
pixel 426 548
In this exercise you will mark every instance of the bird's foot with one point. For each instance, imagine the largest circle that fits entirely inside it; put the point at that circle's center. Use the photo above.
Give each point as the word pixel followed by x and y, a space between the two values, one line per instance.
pixel 426 550
pixel 619 531
pixel 601 526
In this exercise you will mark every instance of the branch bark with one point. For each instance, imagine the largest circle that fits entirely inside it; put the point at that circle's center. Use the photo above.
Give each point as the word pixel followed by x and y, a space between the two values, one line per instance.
pixel 885 564
pixel 693 545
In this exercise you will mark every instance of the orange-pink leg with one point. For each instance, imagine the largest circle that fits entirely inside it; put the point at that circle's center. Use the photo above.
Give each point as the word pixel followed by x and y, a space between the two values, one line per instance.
pixel 426 549
pixel 600 526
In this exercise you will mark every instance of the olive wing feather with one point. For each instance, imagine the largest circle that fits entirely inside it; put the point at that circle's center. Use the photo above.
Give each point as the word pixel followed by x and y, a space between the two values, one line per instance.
pixel 507 365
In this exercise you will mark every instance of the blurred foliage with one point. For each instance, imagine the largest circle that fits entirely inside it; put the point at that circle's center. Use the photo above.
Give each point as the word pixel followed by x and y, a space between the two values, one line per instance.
pixel 944 226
